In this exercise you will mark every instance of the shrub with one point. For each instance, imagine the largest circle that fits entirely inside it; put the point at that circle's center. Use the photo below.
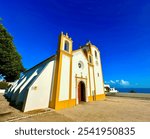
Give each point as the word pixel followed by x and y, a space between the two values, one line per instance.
pixel 132 91
pixel 4 85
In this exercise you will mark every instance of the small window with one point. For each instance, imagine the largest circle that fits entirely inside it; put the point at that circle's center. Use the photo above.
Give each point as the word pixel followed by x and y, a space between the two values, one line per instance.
pixel 66 46
pixel 95 54
pixel 90 59
pixel 98 74
pixel 80 65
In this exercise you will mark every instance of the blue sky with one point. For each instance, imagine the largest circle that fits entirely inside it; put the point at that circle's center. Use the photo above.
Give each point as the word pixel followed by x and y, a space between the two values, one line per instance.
pixel 119 28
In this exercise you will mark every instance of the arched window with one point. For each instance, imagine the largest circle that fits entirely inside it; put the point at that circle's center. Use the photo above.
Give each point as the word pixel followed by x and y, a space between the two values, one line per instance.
pixel 95 54
pixel 66 46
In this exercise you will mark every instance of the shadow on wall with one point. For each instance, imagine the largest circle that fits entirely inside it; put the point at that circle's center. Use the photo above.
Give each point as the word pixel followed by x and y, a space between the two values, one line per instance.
pixel 17 94
pixel 20 97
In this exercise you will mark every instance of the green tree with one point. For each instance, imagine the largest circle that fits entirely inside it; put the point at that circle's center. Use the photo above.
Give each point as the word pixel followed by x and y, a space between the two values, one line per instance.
pixel 10 60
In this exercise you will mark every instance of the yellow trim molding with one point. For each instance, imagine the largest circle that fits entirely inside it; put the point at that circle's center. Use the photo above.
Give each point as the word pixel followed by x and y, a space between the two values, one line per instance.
pixel 65 104
pixel 90 98
pixel 100 97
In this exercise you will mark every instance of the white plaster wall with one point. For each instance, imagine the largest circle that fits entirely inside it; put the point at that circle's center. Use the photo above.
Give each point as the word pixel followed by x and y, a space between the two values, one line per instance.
pixel 2 91
pixel 52 80
pixel 101 79
pixel 27 76
pixel 79 56
pixel 92 81
pixel 65 78
pixel 22 82
pixel 98 70
pixel 28 79
pixel 23 90
pixel 40 91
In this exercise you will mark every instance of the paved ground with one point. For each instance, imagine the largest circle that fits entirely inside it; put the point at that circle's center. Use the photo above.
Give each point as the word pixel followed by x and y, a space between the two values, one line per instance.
pixel 111 109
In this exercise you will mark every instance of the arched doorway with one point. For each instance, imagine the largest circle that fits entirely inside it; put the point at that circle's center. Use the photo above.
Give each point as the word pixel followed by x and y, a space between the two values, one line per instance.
pixel 81 92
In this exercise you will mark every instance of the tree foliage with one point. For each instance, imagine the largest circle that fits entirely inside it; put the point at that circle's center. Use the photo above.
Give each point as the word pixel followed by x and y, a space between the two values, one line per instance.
pixel 4 85
pixel 10 60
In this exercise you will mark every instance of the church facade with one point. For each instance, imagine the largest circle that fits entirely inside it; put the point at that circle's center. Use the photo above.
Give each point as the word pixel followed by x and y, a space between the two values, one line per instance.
pixel 61 81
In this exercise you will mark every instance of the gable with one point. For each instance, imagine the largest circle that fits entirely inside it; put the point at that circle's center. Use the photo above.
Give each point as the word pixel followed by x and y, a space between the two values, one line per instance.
pixel 80 53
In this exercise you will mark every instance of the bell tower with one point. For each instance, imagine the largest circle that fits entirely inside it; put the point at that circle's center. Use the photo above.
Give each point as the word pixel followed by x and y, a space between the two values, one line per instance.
pixel 62 88
pixel 65 43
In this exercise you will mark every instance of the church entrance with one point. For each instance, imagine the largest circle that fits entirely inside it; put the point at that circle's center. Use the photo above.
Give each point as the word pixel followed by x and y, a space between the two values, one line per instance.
pixel 81 92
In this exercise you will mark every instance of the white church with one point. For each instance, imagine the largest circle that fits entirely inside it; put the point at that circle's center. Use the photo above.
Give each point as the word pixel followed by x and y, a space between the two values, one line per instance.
pixel 61 81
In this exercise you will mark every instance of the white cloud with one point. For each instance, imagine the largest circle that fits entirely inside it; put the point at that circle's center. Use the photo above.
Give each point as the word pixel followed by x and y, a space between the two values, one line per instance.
pixel 113 82
pixel 118 82
pixel 124 83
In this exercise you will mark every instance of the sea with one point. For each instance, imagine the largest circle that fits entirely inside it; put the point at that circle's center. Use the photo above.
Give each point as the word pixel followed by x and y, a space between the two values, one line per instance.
pixel 136 90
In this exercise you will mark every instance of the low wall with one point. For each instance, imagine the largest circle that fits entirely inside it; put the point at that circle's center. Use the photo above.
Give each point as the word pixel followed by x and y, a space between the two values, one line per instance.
pixel 2 91
pixel 131 95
